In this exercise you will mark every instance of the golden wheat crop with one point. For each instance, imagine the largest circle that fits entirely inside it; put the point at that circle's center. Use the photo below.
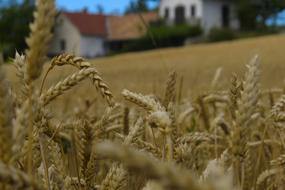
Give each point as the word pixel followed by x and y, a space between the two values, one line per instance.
pixel 230 139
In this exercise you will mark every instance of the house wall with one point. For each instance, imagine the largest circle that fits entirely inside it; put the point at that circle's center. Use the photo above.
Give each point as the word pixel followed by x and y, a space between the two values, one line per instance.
pixel 66 31
pixel 172 4
pixel 92 46
pixel 212 14
pixel 208 12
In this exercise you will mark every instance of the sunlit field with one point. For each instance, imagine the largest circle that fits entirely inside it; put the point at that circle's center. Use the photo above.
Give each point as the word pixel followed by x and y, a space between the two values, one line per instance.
pixel 196 65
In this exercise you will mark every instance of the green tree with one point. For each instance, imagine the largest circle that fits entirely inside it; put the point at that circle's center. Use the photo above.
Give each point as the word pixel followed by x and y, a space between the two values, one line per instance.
pixel 136 6
pixel 247 13
pixel 270 8
pixel 14 27
pixel 254 13
pixel 100 9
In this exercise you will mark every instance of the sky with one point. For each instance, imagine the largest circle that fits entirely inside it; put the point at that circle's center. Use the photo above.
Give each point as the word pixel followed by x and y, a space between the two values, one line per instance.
pixel 110 6
pixel 280 19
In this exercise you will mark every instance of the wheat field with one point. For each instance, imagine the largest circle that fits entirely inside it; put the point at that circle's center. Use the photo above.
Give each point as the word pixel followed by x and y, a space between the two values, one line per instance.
pixel 146 71
pixel 207 117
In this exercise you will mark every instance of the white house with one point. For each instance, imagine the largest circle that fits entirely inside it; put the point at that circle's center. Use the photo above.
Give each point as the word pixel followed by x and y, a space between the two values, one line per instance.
pixel 207 13
pixel 92 35
pixel 79 33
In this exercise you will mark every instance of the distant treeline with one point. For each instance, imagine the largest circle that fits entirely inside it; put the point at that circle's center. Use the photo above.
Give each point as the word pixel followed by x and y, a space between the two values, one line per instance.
pixel 14 26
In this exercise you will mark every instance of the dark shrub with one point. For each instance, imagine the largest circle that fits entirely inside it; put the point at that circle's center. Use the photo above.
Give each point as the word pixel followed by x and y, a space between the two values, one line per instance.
pixel 221 34
pixel 163 36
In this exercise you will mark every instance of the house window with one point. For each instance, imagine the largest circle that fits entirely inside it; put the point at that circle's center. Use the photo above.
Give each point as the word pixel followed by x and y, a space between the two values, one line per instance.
pixel 179 15
pixel 193 10
pixel 166 13
pixel 62 45
pixel 225 16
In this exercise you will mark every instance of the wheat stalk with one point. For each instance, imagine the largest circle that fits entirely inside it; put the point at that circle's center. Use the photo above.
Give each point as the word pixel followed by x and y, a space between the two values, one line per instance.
pixel 16 178
pixel 137 161
pixel 6 114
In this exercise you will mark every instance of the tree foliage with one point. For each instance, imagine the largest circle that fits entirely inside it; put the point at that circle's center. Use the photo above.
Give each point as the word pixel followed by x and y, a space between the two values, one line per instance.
pixel 136 6
pixel 14 27
pixel 254 13
pixel 100 9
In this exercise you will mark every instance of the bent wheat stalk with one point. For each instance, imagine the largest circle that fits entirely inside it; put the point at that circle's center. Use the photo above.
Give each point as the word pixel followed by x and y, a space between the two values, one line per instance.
pixel 67 59
pixel 73 80
pixel 80 63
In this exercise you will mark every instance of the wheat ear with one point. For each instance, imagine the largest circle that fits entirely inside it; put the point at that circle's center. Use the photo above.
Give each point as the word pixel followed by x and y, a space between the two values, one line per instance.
pixel 67 59
pixel 39 38
pixel 246 108
pixel 73 80
pixel 19 63
pixel 250 94
pixel 116 177
pixel 170 91
pixel 80 63
pixel 146 102
pixel 234 95
pixel 65 85
pixel 277 112
pixel 158 117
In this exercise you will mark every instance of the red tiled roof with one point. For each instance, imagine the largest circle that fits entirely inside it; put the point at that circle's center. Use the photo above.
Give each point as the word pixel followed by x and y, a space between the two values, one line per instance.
pixel 129 26
pixel 88 24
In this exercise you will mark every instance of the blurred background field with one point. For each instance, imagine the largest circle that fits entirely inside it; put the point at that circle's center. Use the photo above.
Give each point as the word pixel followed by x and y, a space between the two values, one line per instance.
pixel 196 66
pixel 146 71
